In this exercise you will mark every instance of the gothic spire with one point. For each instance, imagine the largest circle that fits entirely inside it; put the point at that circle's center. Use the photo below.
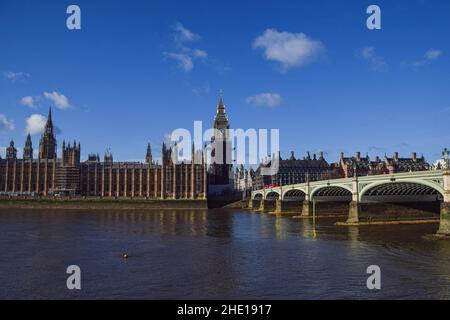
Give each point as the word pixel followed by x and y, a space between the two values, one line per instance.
pixel 28 141
pixel 28 148
pixel 49 123
pixel 148 156
pixel 220 105
pixel 49 118
pixel 221 119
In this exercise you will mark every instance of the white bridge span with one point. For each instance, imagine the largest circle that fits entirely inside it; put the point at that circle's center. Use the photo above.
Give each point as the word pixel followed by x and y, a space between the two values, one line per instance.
pixel 415 186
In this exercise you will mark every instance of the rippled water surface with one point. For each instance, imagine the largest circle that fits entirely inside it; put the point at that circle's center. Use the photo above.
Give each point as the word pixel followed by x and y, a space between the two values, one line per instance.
pixel 214 254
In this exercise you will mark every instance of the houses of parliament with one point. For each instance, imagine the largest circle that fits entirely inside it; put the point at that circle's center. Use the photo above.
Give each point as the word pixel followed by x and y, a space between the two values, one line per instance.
pixel 51 176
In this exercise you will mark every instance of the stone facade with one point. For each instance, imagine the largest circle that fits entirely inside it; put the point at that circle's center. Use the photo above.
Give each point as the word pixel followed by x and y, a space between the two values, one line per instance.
pixel 292 171
pixel 68 176
pixel 365 166
pixel 243 180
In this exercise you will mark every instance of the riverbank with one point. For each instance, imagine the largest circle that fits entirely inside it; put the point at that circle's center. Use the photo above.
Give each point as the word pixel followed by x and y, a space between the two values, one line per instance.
pixel 104 204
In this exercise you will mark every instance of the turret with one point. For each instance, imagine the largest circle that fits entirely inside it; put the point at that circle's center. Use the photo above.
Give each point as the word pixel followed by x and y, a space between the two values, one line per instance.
pixel 108 158
pixel 148 156
pixel 28 149
pixel 11 151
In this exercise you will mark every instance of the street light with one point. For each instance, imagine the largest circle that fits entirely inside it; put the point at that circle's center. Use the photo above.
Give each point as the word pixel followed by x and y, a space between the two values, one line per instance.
pixel 445 155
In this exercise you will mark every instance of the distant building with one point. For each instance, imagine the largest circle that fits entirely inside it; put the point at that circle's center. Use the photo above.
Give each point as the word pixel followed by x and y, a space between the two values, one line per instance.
pixel 243 179
pixel 292 171
pixel 365 166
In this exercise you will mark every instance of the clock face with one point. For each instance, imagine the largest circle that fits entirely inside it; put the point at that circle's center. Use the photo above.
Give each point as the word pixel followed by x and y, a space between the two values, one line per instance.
pixel 222 132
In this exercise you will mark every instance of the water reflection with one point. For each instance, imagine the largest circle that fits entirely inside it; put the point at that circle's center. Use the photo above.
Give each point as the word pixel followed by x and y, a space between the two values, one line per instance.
pixel 214 254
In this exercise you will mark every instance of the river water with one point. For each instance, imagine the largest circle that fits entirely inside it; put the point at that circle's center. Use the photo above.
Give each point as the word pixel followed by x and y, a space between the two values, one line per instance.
pixel 215 254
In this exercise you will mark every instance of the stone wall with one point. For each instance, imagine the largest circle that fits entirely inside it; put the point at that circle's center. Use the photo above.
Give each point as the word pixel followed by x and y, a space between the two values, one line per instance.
pixel 93 204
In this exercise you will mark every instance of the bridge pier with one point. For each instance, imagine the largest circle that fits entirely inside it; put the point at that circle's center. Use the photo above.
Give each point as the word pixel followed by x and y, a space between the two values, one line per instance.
pixel 353 210
pixel 444 223
pixel 306 208
pixel 278 206
pixel 250 204
pixel 261 205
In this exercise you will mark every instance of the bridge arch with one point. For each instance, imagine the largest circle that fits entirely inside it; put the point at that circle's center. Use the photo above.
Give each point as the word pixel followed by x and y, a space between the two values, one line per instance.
pixel 272 195
pixel 258 196
pixel 337 193
pixel 408 189
pixel 294 195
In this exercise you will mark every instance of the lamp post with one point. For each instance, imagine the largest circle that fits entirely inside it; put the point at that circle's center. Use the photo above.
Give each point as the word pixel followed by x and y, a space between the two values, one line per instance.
pixel 445 155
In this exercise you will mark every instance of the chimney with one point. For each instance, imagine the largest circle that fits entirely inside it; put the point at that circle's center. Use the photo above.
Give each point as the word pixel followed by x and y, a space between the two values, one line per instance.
pixel 358 156
pixel 342 155
pixel 414 156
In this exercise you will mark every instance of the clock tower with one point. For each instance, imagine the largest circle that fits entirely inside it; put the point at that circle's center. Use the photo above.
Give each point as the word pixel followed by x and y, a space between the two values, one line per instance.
pixel 221 162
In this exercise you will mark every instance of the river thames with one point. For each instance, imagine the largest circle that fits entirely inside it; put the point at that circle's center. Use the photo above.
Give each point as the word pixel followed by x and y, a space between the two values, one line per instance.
pixel 215 254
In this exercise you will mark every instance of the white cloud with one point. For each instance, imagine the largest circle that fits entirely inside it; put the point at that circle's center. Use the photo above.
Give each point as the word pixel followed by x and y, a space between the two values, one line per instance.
pixel 29 101
pixel 289 49
pixel 5 124
pixel 377 62
pixel 35 124
pixel 265 99
pixel 183 34
pixel 200 54
pixel 184 61
pixel 15 76
pixel 428 57
pixel 60 101
pixel 432 54
pixel 182 54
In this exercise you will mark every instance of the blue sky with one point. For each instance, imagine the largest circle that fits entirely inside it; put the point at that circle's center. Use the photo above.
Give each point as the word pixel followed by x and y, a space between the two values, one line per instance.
pixel 139 69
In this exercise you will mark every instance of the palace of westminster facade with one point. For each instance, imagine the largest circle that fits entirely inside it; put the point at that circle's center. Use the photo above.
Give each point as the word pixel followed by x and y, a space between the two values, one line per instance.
pixel 49 175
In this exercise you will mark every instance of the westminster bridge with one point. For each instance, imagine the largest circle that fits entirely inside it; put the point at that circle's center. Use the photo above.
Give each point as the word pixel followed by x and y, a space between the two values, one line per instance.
pixel 408 190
